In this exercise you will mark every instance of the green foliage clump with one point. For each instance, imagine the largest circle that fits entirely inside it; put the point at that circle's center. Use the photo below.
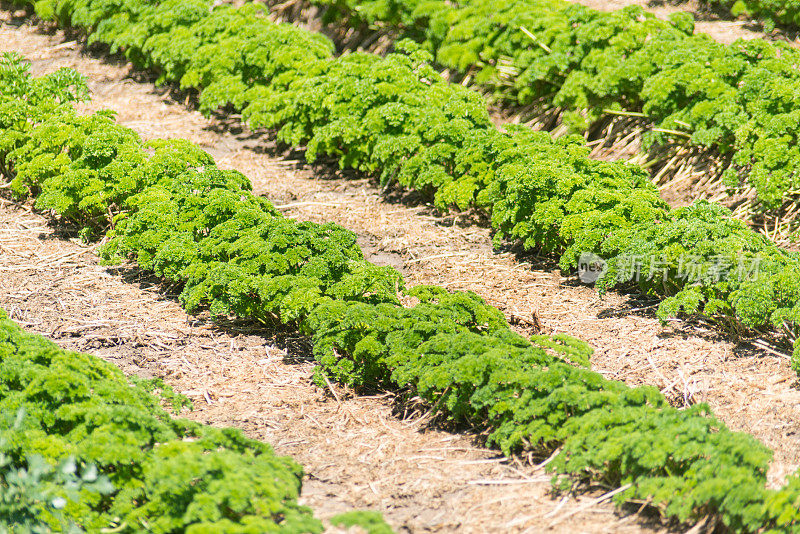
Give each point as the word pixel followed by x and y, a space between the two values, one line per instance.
pixel 33 492
pixel 370 522
pixel 237 255
pixel 96 450
pixel 25 100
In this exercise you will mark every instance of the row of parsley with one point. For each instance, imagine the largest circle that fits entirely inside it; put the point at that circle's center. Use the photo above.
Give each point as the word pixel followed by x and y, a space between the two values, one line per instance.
pixel 397 118
pixel 740 98
pixel 181 217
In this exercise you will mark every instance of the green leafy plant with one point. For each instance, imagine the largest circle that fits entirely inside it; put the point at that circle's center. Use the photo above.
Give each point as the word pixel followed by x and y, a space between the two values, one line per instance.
pixel 370 522
pixel 33 492
pixel 95 451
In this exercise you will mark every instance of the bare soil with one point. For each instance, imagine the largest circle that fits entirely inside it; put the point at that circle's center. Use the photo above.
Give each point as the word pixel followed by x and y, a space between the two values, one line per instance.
pixel 356 451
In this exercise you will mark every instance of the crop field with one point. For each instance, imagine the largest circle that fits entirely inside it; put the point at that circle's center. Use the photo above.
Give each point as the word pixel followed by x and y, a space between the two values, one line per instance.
pixel 399 266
